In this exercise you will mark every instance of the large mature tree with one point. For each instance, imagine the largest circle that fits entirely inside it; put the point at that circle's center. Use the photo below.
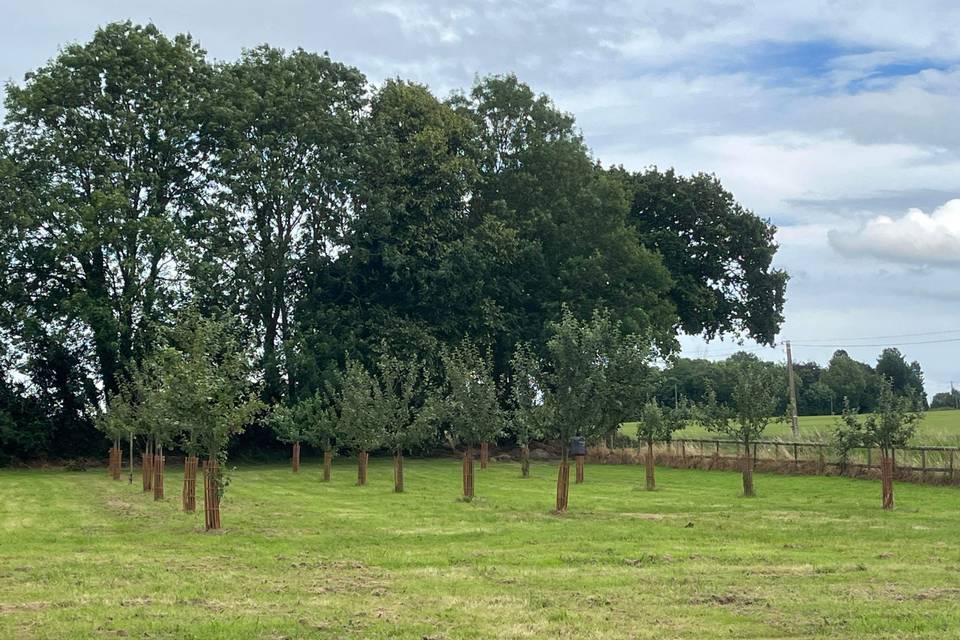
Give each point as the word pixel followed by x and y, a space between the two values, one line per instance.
pixel 752 406
pixel 286 131
pixel 905 379
pixel 718 253
pixel 110 161
pixel 569 217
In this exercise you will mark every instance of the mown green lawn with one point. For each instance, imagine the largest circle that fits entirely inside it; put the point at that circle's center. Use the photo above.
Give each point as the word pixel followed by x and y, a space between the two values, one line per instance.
pixel 82 556
pixel 937 428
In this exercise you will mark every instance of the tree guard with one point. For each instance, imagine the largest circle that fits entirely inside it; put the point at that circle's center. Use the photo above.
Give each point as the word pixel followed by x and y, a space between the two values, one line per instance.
pixel 468 474
pixel 362 459
pixel 158 463
pixel 525 461
pixel 563 484
pixel 651 478
pixel 190 483
pixel 484 454
pixel 327 465
pixel 579 461
pixel 211 494
pixel 296 457
pixel 398 473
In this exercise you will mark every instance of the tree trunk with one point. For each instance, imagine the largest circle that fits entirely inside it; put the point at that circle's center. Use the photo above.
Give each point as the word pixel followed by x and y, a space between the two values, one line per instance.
pixel 296 457
pixel 886 479
pixel 211 494
pixel 118 463
pixel 398 473
pixel 190 483
pixel 147 469
pixel 563 483
pixel 651 479
pixel 327 465
pixel 525 461
pixel 468 474
pixel 484 454
pixel 746 466
pixel 158 461
pixel 362 459
pixel 579 461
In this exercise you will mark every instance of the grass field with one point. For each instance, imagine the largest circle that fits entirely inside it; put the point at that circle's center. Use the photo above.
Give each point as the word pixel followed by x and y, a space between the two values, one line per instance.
pixel 937 428
pixel 82 556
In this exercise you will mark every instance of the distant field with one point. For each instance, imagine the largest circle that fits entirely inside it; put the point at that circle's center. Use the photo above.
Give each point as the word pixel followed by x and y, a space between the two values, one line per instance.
pixel 937 428
pixel 83 557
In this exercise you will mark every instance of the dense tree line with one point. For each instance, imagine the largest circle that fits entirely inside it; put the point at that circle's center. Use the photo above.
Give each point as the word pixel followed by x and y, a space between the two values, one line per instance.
pixel 333 218
pixel 821 390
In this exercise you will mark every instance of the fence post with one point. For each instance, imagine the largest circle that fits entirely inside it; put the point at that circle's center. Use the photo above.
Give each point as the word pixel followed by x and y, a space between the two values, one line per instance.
pixel 796 457
pixel 923 465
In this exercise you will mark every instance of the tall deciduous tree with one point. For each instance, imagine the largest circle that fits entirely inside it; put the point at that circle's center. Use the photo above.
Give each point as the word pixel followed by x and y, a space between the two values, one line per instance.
pixel 286 132
pixel 107 140
pixel 718 253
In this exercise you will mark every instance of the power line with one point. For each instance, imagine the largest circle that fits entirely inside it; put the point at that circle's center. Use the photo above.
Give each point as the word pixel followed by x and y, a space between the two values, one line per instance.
pixel 877 344
pixel 896 335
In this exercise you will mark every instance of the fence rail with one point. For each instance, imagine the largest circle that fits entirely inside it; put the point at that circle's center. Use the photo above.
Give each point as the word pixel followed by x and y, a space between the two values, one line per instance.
pixel 920 462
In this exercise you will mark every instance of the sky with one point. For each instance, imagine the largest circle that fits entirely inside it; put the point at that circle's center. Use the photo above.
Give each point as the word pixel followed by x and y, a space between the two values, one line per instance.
pixel 838 121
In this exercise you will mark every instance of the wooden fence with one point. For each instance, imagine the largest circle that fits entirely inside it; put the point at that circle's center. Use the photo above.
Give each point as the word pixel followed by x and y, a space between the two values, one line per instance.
pixel 933 464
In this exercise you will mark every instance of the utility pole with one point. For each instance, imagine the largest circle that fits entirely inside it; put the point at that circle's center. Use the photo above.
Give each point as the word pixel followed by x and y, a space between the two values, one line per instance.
pixel 956 397
pixel 794 423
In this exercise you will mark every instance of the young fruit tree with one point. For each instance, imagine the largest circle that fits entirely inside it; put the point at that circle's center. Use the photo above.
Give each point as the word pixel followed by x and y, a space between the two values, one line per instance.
pixel 116 422
pixel 286 422
pixel 529 413
pixel 319 417
pixel 753 403
pixel 361 414
pixel 657 424
pixel 157 410
pixel 891 425
pixel 211 385
pixel 591 363
pixel 402 393
pixel 465 404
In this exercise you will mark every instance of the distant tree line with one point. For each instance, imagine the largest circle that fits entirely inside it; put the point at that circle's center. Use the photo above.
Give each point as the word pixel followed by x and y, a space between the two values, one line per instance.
pixel 821 390
pixel 326 218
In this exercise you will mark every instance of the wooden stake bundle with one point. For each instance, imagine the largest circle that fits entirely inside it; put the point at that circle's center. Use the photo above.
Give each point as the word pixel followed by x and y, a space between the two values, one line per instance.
pixel 468 474
pixel 158 463
pixel 579 460
pixel 563 485
pixel 211 494
pixel 398 473
pixel 190 484
pixel 525 461
pixel 296 457
pixel 327 465
pixel 362 459
pixel 484 454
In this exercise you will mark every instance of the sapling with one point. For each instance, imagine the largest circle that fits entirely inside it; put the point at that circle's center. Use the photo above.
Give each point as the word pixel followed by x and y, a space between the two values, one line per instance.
pixel 529 414
pixel 891 425
pixel 752 405
pixel 361 413
pixel 287 424
pixel 402 392
pixel 657 424
pixel 319 417
pixel 465 404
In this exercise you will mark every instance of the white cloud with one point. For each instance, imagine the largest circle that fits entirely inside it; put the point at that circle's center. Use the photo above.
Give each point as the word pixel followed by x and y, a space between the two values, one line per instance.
pixel 916 238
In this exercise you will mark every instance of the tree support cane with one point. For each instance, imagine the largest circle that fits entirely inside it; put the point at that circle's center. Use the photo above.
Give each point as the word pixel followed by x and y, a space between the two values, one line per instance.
pixel 468 474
